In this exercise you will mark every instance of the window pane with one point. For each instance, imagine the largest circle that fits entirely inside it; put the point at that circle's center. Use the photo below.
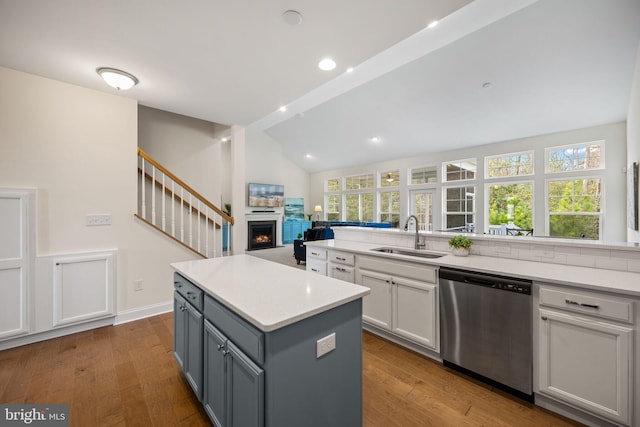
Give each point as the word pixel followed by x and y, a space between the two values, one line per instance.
pixel 359 207
pixel 366 201
pixel 511 204
pixel 460 208
pixel 333 184
pixel 575 157
pixel 390 179
pixel 353 207
pixel 359 182
pixel 584 226
pixel 390 207
pixel 574 195
pixel 459 170
pixel 516 164
pixel 333 207
pixel 424 175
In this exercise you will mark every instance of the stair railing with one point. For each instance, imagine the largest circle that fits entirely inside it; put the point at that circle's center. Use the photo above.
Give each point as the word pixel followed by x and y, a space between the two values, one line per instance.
pixel 170 206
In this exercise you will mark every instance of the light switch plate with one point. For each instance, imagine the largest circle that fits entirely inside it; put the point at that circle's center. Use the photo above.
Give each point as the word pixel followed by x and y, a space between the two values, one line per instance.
pixel 100 219
pixel 325 345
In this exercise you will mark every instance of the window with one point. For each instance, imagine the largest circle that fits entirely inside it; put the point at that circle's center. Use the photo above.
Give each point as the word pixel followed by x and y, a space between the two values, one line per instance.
pixel 576 157
pixel 390 207
pixel 333 207
pixel 511 204
pixel 359 207
pixel 390 179
pixel 333 184
pixel 422 207
pixel 359 182
pixel 459 208
pixel 508 165
pixel 459 170
pixel 574 207
pixel 424 175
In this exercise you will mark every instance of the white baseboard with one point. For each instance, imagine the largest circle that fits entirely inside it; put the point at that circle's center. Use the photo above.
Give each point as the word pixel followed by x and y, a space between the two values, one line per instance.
pixel 123 317
pixel 55 333
pixel 143 312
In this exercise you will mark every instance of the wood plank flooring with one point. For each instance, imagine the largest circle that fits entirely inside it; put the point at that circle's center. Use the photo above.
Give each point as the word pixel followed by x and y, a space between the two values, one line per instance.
pixel 126 376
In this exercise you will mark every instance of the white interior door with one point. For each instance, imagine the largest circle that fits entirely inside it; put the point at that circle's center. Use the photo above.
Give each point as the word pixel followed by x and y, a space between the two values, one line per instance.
pixel 15 261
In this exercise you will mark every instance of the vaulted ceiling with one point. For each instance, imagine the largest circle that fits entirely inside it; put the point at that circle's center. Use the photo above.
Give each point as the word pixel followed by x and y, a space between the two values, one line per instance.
pixel 491 70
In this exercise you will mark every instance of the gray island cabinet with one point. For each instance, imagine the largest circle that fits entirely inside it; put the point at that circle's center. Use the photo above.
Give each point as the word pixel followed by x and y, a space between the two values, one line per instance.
pixel 263 344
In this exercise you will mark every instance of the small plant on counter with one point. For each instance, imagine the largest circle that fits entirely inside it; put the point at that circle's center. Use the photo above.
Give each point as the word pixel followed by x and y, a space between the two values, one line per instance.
pixel 309 216
pixel 460 244
pixel 299 236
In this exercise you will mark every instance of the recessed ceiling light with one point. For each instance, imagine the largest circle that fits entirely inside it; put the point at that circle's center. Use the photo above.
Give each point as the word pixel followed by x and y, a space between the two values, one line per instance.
pixel 282 109
pixel 308 156
pixel 350 70
pixel 292 17
pixel 375 139
pixel 117 79
pixel 224 139
pixel 327 64
pixel 432 24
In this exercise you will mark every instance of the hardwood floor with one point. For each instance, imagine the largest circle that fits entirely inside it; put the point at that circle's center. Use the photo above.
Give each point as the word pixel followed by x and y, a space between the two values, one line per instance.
pixel 126 376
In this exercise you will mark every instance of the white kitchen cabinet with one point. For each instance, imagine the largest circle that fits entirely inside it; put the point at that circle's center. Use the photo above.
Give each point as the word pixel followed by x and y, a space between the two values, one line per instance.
pixel 341 265
pixel 403 299
pixel 317 260
pixel 585 358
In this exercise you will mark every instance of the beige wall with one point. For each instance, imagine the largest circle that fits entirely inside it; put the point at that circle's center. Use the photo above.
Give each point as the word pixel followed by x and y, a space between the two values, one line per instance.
pixel 633 132
pixel 77 147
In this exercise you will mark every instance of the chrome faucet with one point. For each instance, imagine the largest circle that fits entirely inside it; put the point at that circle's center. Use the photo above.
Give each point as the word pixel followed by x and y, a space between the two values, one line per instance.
pixel 418 243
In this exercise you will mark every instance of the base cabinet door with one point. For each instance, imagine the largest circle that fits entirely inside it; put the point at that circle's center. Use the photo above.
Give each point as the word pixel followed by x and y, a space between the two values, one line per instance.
pixel 233 384
pixel 188 337
pixel 586 363
pixel 415 312
pixel 376 307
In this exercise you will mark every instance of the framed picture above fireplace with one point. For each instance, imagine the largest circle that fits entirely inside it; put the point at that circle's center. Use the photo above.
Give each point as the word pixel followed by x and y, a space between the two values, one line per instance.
pixel 266 195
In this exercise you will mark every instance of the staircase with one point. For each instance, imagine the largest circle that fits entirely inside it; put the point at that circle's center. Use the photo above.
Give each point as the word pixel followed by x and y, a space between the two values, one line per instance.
pixel 173 208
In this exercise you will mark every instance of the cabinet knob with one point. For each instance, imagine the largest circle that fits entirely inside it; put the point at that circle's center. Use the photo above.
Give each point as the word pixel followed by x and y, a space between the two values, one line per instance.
pixel 220 347
pixel 544 317
pixel 225 352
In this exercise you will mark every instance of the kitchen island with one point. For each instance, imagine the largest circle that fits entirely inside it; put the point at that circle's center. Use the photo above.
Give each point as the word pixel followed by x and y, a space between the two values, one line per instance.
pixel 265 344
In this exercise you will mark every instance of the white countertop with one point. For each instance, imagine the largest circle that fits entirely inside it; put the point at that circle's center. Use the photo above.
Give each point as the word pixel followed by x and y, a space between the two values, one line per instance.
pixel 591 278
pixel 266 294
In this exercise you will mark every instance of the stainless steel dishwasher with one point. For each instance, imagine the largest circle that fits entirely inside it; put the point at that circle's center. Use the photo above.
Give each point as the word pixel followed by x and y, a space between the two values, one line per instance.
pixel 486 328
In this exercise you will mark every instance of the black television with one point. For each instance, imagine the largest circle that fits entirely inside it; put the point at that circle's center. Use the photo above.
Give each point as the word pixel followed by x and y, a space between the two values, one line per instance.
pixel 266 195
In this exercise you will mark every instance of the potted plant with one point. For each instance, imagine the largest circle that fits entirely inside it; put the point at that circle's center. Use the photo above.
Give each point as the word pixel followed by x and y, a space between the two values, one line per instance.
pixel 460 245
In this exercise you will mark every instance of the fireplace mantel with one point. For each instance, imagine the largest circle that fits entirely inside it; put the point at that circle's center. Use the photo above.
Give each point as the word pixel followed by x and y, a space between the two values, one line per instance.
pixel 268 216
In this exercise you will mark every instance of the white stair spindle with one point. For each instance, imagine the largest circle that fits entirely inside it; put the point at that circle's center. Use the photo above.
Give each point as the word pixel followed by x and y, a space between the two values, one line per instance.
pixel 206 231
pixel 190 221
pixel 199 231
pixel 182 214
pixel 173 208
pixel 153 195
pixel 143 190
pixel 163 199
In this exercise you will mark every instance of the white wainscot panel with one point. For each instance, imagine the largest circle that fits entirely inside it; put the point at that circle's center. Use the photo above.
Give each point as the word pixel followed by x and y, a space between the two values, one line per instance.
pixel 83 287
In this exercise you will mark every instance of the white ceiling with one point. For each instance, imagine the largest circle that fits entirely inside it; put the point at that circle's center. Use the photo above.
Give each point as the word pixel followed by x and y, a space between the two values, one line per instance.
pixel 553 65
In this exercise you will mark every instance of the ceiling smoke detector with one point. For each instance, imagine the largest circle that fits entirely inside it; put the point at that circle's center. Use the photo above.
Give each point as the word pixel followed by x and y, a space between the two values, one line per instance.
pixel 292 17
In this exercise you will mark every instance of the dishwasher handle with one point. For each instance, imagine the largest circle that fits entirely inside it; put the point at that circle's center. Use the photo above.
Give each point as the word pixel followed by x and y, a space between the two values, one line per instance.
pixel 514 284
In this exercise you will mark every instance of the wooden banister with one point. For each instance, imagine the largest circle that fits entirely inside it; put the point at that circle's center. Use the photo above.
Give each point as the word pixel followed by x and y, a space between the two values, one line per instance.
pixel 178 181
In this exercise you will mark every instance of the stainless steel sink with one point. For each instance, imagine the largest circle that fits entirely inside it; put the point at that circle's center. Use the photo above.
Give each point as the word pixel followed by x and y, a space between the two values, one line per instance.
pixel 409 252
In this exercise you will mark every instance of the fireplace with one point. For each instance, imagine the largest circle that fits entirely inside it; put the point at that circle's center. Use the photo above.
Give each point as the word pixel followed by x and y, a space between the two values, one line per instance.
pixel 261 235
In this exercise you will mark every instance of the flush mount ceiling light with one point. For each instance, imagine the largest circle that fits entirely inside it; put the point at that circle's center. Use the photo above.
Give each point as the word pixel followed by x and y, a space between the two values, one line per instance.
pixel 292 17
pixel 327 64
pixel 117 79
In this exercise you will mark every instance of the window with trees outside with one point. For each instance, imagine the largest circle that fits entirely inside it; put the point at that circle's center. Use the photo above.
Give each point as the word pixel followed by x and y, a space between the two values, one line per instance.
pixel 359 207
pixel 574 207
pixel 459 208
pixel 509 204
pixel 390 207
pixel 333 207
pixel 575 157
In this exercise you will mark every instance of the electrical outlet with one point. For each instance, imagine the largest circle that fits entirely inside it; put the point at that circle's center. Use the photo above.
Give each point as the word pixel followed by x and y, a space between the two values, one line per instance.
pixel 101 219
pixel 325 345
pixel 137 285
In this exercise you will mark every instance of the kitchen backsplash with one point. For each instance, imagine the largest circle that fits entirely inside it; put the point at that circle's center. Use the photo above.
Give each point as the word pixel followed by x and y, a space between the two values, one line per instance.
pixel 578 253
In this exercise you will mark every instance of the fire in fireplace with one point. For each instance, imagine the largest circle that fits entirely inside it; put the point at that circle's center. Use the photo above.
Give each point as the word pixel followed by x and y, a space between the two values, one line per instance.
pixel 261 235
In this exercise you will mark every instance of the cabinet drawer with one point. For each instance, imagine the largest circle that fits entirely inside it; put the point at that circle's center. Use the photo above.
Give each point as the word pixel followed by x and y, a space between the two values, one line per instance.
pixel 316 253
pixel 341 257
pixel 249 339
pixel 342 272
pixel 591 303
pixel 416 271
pixel 188 290
pixel 317 266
